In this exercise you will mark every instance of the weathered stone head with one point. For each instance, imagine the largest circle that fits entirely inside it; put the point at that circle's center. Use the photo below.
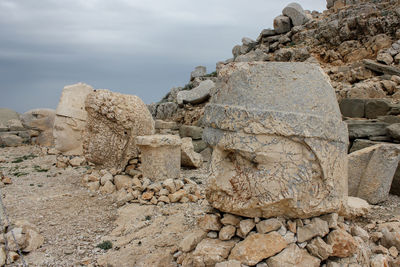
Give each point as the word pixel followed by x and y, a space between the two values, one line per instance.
pixel 41 120
pixel 70 119
pixel 280 146
pixel 114 120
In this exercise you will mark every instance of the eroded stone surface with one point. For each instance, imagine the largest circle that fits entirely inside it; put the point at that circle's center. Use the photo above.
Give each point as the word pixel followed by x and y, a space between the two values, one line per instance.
pixel 371 171
pixel 114 120
pixel 161 156
pixel 70 119
pixel 274 153
pixel 41 120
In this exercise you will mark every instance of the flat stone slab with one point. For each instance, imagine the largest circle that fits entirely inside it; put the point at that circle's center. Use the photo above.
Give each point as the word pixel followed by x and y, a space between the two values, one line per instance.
pixel 366 128
pixel 381 68
pixel 197 95
pixel 371 171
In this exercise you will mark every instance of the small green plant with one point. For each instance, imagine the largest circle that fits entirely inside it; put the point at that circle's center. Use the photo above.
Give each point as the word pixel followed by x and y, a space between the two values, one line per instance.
pixel 212 74
pixel 19 174
pixel 25 157
pixel 40 169
pixel 39 185
pixel 188 86
pixel 105 245
pixel 147 218
pixel 31 185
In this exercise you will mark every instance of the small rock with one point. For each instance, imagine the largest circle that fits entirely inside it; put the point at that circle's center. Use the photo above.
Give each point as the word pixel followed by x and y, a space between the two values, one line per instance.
pixel 177 196
pixel 123 181
pixel 245 226
pixel 269 225
pixel 106 177
pixel 190 241
pixel 107 188
pixel 390 239
pixel 227 232
pixel 385 58
pixel 147 195
pixel 292 226
pixel 76 161
pixel 212 235
pixel 230 219
pixel 318 248
pixel 189 158
pixel 296 13
pixel 318 227
pixel 358 231
pixel 331 219
pixel 379 261
pixel 393 252
pixel 170 185
pixel 210 222
pixel 33 240
pixel 164 199
pixel 343 244
pixel 282 24
pixel 231 263
pixel 3 256
pixel 293 256
pixel 212 251
pixel 257 247
pixel 356 207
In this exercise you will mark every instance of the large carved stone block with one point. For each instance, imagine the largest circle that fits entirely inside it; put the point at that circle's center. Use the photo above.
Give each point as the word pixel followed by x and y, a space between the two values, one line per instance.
pixel 70 119
pixel 161 156
pixel 280 146
pixel 114 120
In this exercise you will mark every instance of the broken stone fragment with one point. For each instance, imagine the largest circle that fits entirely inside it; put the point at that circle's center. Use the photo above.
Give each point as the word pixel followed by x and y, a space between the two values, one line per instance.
pixel 211 251
pixel 257 247
pixel 190 241
pixel 343 244
pixel 371 171
pixel 318 227
pixel 293 256
pixel 189 158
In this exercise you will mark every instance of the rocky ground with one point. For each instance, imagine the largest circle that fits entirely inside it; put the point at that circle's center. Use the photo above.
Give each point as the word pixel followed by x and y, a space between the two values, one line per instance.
pixel 74 220
pixel 71 219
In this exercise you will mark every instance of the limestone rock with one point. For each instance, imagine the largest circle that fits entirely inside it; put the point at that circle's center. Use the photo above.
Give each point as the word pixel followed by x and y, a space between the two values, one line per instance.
pixel 190 241
pixel 343 244
pixel 293 256
pixel 379 260
pixel 212 251
pixel 33 240
pixel 6 115
pixel 371 172
pixel 194 132
pixel 114 120
pixel 394 131
pixel 210 222
pixel 232 263
pixel 390 239
pixel 227 232
pixel 318 248
pixel 251 126
pixel 15 125
pixel 197 95
pixel 166 110
pixel 257 247
pixel 189 158
pixel 376 107
pixel 108 188
pixel 282 24
pixel 199 71
pixel 385 58
pixel 296 13
pixel 123 181
pixel 366 128
pixel 230 219
pixel 41 120
pixel 381 68
pixel 318 227
pixel 245 226
pixel 269 225
pixel 76 161
pixel 10 140
pixel 3 256
pixel 352 107
pixel 170 125
pixel 355 207
pixel 70 119
pixel 161 156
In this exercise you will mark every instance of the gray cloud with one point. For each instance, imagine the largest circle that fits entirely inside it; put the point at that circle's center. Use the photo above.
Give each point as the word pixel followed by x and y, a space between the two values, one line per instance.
pixel 134 47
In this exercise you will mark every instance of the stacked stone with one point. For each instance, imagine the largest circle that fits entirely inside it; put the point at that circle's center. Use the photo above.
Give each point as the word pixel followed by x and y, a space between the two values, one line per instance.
pixel 70 161
pixel 12 132
pixel 27 236
pixel 139 189
pixel 230 240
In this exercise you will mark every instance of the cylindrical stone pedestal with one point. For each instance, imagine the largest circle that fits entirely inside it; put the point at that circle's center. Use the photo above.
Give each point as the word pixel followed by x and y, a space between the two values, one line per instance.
pixel 161 156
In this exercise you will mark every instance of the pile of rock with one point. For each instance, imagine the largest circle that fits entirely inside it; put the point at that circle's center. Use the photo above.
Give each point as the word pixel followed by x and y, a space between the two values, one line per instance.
pixel 230 240
pixel 4 180
pixel 73 161
pixel 12 132
pixel 139 189
pixel 26 235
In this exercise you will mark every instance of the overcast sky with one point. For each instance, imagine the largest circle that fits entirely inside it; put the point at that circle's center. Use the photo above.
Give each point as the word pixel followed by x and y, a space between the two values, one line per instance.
pixel 135 47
